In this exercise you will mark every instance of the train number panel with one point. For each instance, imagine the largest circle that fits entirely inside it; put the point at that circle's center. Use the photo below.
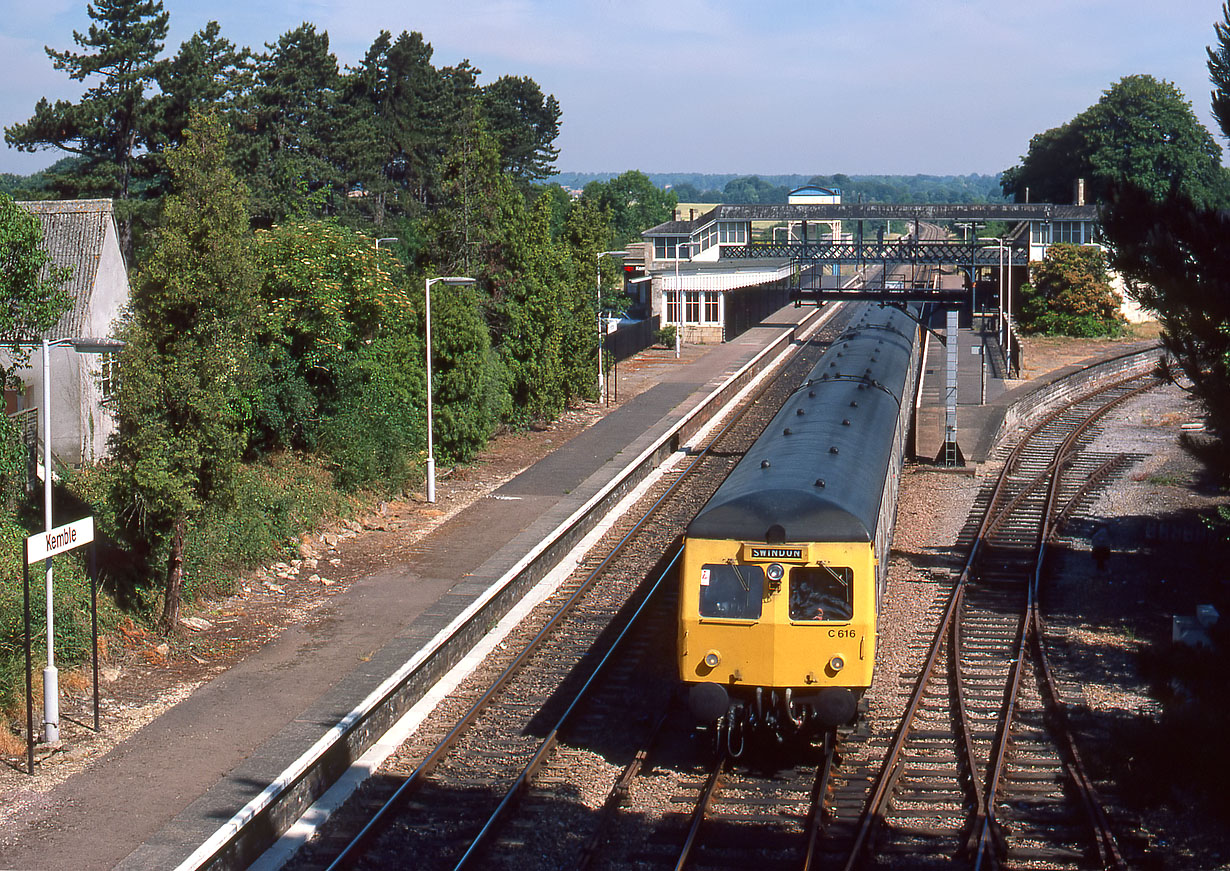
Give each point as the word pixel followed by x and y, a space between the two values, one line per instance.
pixel 783 569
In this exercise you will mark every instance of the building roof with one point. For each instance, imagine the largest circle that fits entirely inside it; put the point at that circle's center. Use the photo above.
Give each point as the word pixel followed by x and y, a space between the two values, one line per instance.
pixel 73 234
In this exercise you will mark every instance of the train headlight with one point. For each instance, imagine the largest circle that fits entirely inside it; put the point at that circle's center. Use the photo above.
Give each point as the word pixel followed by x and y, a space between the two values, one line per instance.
pixel 713 659
pixel 775 572
pixel 837 663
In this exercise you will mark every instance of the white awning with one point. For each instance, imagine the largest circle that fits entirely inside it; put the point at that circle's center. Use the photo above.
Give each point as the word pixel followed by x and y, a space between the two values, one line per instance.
pixel 721 279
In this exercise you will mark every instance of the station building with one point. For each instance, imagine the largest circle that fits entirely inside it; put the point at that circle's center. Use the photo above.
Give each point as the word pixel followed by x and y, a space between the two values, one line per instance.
pixel 700 274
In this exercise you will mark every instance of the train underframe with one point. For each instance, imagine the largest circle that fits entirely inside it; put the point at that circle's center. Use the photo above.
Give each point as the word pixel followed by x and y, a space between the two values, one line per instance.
pixel 780 715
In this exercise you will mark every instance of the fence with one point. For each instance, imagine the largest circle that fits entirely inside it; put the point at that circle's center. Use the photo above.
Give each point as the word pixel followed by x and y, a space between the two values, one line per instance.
pixel 748 306
pixel 630 338
pixel 27 427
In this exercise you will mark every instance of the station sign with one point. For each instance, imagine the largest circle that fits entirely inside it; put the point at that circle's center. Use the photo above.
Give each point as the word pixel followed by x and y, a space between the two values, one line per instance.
pixel 43 545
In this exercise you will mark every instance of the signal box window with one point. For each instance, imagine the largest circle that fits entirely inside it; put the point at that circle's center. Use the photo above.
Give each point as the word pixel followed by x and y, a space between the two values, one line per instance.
pixel 821 593
pixel 731 591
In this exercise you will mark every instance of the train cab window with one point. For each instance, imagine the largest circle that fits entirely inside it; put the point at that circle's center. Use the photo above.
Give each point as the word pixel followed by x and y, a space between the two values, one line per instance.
pixel 731 591
pixel 821 593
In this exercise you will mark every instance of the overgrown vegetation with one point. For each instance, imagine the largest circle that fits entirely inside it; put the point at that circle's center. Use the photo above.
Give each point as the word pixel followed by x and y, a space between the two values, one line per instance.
pixel 72 610
pixel 1071 295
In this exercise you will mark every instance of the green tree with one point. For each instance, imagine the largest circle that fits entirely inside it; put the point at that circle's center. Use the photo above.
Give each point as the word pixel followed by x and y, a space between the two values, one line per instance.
pixel 533 316
pixel 753 189
pixel 634 202
pixel 32 286
pixel 395 127
pixel 1219 70
pixel 1070 294
pixel 183 401
pixel 1141 132
pixel 525 124
pixel 469 383
pixel 287 126
pixel 585 234
pixel 208 70
pixel 1176 261
pixel 112 122
pixel 481 224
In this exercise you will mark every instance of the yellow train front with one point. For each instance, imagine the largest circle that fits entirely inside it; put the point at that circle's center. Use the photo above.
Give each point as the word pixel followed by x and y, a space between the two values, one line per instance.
pixel 784 568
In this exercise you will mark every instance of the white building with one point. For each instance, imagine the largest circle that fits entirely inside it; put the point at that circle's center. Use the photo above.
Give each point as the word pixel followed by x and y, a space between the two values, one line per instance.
pixel 81 235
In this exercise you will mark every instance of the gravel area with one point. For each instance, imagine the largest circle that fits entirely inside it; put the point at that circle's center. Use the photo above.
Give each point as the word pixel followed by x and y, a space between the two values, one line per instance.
pixel 1108 629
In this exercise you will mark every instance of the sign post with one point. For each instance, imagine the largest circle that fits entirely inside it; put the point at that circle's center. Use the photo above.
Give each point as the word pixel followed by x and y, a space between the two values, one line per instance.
pixel 43 546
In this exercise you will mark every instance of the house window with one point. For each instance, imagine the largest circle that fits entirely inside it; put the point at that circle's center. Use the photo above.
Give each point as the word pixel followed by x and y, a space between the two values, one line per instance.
pixel 670 247
pixel 109 379
pixel 1070 231
pixel 691 307
pixel 711 307
pixel 732 233
pixel 671 298
pixel 1041 232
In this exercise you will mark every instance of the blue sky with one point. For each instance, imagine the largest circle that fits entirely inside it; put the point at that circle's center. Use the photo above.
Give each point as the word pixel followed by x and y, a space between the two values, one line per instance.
pixel 827 86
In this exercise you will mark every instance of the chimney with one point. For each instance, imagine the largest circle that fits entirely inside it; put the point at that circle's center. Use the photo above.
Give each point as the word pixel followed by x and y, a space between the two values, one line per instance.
pixel 1079 197
pixel 691 214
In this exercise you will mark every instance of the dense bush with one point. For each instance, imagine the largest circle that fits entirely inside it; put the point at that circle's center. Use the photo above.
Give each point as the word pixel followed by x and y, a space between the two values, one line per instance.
pixel 13 466
pixel 1070 295
pixel 271 505
pixel 469 382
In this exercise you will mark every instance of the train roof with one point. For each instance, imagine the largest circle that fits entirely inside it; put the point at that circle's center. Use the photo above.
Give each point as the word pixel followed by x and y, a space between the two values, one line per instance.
pixel 818 470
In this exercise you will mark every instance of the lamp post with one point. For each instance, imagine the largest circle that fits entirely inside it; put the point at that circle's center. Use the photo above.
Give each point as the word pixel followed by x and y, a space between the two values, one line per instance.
pixel 378 241
pixel 51 679
pixel 601 331
pixel 431 457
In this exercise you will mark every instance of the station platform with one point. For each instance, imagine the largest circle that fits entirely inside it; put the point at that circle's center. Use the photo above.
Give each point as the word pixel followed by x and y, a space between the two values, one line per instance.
pixel 158 794
pixel 981 384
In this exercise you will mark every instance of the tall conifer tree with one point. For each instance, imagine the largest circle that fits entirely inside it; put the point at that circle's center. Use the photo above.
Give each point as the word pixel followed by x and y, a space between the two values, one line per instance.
pixel 111 124
pixel 187 363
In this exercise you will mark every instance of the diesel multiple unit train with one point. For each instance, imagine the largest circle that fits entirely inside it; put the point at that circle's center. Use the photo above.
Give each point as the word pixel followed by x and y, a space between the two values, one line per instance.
pixel 784 568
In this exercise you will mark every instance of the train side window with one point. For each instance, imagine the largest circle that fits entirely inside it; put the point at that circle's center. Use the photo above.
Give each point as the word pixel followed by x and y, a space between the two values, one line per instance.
pixel 821 593
pixel 731 591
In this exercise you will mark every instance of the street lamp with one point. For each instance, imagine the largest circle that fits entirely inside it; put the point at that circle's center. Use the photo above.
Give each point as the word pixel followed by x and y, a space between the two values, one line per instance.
pixel 431 457
pixel 601 331
pixel 51 679
pixel 378 241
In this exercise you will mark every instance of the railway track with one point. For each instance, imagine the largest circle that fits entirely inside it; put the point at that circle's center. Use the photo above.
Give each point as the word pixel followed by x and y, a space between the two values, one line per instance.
pixel 490 778
pixel 981 769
